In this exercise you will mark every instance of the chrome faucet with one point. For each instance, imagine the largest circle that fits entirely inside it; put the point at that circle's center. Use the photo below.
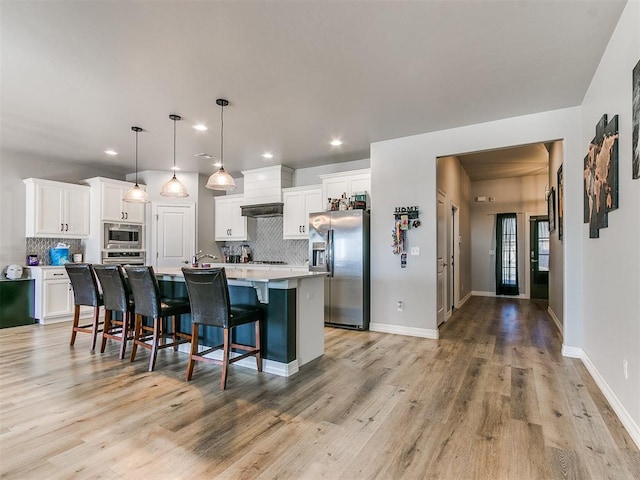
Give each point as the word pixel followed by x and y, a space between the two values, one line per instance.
pixel 195 260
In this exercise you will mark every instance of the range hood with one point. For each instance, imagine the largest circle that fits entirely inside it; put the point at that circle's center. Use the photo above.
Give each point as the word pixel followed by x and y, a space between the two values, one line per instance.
pixel 262 210
pixel 263 191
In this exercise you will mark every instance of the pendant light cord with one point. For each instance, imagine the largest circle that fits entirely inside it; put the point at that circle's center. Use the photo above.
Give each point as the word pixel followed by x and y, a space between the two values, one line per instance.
pixel 174 148
pixel 136 158
pixel 222 137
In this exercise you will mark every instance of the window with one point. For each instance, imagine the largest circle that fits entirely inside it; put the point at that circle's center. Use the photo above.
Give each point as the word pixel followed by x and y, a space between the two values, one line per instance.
pixel 543 246
pixel 507 254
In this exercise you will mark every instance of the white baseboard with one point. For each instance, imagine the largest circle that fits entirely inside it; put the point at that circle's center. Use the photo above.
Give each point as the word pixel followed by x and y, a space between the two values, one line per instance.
pixel 480 293
pixel 464 300
pixel 625 418
pixel 555 319
pixel 408 331
pixel 269 366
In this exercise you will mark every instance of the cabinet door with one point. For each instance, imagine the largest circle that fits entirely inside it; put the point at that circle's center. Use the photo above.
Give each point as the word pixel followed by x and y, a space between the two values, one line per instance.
pixel 222 222
pixel 335 187
pixel 312 204
pixel 237 221
pixel 111 199
pixel 133 212
pixel 49 203
pixel 360 183
pixel 57 298
pixel 76 213
pixel 292 214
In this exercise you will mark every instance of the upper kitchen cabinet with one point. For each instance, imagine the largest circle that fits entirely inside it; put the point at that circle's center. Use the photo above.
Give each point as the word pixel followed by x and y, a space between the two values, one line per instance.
pixel 107 195
pixel 354 181
pixel 56 209
pixel 299 202
pixel 229 224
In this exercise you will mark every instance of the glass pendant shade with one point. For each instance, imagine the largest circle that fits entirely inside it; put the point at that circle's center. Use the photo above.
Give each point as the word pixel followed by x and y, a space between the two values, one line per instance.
pixel 221 180
pixel 135 193
pixel 174 188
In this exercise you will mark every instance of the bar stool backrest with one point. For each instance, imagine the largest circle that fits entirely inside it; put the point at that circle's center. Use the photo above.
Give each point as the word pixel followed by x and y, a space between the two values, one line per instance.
pixel 85 287
pixel 145 289
pixel 115 291
pixel 209 296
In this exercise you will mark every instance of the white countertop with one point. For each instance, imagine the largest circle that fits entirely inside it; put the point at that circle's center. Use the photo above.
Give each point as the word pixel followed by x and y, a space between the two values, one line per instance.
pixel 254 275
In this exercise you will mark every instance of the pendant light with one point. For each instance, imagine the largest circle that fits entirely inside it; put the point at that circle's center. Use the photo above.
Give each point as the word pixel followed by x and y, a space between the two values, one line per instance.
pixel 174 188
pixel 135 193
pixel 221 180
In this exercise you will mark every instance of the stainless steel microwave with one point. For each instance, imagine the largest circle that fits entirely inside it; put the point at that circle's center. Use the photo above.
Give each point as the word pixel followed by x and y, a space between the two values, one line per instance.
pixel 118 235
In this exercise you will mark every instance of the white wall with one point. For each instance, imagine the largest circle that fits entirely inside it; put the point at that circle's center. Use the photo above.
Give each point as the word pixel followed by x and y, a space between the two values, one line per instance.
pixel 556 246
pixel 611 279
pixel 404 173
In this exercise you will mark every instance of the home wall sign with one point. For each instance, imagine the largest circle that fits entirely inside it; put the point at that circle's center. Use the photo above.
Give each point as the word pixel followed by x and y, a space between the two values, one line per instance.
pixel 405 219
pixel 601 176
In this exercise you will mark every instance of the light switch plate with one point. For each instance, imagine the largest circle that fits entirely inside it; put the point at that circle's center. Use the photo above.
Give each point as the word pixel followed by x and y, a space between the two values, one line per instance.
pixel 415 250
pixel 492 252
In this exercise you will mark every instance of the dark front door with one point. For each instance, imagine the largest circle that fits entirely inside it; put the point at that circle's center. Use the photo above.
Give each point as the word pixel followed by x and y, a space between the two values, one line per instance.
pixel 539 257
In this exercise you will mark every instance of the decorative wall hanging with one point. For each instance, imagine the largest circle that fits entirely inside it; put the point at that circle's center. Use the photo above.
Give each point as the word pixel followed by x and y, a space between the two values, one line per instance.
pixel 405 219
pixel 601 176
pixel 635 144
pixel 560 202
pixel 551 209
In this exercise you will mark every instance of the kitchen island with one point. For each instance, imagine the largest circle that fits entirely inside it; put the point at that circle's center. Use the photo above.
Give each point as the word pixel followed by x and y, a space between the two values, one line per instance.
pixel 293 306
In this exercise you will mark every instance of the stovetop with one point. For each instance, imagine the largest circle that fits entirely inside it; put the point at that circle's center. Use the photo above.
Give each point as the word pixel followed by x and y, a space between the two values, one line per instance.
pixel 268 262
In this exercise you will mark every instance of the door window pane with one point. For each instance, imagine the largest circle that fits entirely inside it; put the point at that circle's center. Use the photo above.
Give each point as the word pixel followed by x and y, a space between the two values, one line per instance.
pixel 543 246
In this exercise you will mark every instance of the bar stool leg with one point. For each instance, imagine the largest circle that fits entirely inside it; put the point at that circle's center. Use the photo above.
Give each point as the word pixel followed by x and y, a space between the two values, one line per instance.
pixel 194 350
pixel 106 329
pixel 258 348
pixel 136 336
pixel 154 345
pixel 126 322
pixel 94 327
pixel 225 358
pixel 76 319
pixel 174 322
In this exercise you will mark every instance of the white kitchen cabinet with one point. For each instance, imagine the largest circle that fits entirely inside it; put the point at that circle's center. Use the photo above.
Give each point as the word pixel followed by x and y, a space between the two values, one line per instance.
pixel 109 193
pixel 54 295
pixel 354 181
pixel 56 209
pixel 299 202
pixel 229 224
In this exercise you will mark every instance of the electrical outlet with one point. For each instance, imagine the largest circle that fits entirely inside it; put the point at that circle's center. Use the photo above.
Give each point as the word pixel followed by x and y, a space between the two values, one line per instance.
pixel 415 250
pixel 625 369
pixel 400 306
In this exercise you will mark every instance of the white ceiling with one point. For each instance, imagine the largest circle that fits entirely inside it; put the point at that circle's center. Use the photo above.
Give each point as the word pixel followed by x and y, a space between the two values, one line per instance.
pixel 77 75
pixel 518 161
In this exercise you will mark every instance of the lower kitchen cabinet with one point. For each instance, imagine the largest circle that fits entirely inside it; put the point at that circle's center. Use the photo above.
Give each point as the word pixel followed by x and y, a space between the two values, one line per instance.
pixel 16 302
pixel 54 295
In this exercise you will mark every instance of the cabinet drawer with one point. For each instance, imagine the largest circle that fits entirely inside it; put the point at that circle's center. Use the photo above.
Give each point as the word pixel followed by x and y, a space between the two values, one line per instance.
pixel 55 274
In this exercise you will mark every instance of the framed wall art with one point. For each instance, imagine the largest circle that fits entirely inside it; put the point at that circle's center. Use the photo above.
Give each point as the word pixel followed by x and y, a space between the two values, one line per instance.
pixel 560 202
pixel 635 143
pixel 551 209
pixel 601 176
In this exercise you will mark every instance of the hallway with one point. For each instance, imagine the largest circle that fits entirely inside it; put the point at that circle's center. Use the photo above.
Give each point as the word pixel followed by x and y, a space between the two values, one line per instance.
pixel 492 399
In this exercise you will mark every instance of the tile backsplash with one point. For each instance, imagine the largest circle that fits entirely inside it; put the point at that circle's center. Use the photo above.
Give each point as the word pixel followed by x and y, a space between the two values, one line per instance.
pixel 41 246
pixel 269 245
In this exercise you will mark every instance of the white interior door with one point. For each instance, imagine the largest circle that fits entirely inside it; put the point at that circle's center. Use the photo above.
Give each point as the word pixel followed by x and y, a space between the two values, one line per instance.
pixel 441 263
pixel 175 234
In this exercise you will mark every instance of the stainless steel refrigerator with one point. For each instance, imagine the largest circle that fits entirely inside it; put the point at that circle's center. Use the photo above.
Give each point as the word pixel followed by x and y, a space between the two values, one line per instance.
pixel 339 244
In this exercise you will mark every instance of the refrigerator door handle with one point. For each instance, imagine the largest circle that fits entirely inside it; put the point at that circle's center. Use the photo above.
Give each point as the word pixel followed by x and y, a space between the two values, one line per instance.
pixel 330 250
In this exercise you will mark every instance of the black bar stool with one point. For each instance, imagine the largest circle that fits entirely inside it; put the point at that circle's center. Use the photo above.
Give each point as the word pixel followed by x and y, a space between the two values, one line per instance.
pixel 210 306
pixel 149 303
pixel 85 292
pixel 116 297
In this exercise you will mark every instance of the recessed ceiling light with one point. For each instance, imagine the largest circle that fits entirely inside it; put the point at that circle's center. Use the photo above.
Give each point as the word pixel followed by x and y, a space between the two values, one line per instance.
pixel 201 127
pixel 204 155
pixel 217 164
pixel 175 168
pixel 110 152
pixel 336 143
pixel 267 155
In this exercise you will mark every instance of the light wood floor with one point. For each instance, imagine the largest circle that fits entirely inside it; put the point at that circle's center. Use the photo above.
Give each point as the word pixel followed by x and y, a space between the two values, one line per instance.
pixel 492 399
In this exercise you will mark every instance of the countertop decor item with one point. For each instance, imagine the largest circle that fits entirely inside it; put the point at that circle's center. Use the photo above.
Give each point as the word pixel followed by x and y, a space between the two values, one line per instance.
pixel 174 188
pixel 221 180
pixel 137 194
